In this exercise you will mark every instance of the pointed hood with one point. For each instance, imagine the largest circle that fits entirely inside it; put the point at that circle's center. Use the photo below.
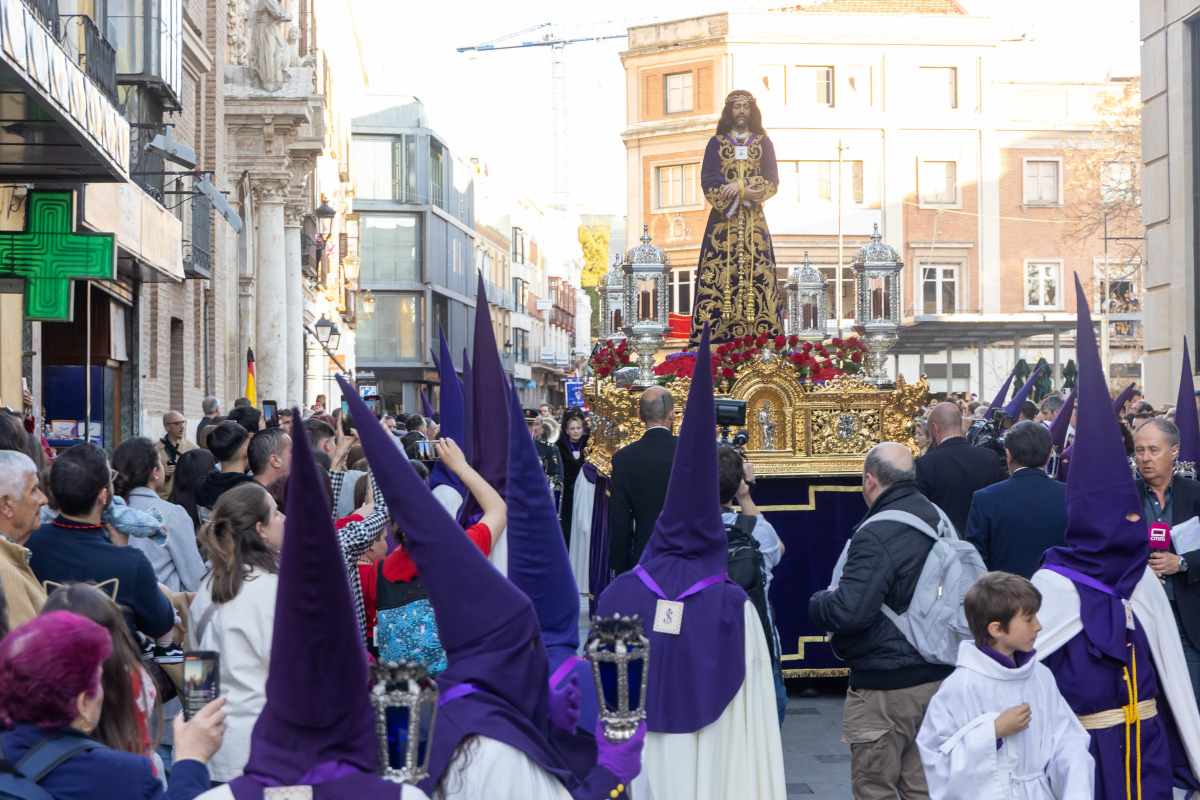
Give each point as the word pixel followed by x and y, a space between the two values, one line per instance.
pixel 468 384
pixel 689 526
pixel 695 674
pixel 998 400
pixel 1118 404
pixel 448 561
pixel 1062 423
pixel 318 708
pixel 487 626
pixel 537 557
pixel 1101 541
pixel 451 422
pixel 489 404
pixel 538 563
pixel 1185 413
pixel 426 406
pixel 1013 409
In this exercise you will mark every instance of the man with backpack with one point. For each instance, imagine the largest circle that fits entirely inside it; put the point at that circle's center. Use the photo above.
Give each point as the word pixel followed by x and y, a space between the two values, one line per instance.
pixel 754 551
pixel 867 610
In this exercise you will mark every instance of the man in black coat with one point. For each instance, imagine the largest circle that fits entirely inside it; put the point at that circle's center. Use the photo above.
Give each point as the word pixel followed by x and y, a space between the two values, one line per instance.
pixel 891 684
pixel 1171 499
pixel 1013 522
pixel 640 472
pixel 952 470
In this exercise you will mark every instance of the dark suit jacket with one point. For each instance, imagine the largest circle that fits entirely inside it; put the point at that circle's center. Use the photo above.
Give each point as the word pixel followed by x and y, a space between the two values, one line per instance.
pixel 1185 586
pixel 1014 521
pixel 640 472
pixel 952 472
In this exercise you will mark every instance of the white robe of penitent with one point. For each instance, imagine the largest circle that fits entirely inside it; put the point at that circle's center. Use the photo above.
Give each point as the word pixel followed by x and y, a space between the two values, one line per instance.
pixel 494 770
pixel 738 756
pixel 1061 621
pixel 1049 760
pixel 225 793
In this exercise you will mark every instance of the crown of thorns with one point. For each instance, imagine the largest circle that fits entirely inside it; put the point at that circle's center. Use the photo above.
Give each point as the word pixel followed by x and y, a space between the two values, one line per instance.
pixel 738 94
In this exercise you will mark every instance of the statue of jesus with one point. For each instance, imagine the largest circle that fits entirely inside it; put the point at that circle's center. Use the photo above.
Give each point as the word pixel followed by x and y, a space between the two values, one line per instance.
pixel 736 288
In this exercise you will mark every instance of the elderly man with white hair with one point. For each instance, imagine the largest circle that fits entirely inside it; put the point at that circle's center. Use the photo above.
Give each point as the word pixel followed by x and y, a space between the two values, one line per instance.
pixel 21 502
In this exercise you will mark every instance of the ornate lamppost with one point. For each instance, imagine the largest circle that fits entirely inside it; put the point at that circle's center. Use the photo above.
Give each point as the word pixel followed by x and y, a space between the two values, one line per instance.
pixel 645 306
pixel 807 306
pixel 877 272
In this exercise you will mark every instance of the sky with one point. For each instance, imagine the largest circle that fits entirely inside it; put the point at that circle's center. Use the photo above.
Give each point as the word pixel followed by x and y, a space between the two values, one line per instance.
pixel 496 106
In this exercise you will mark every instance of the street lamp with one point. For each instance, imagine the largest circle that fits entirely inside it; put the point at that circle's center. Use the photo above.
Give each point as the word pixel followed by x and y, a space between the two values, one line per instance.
pixel 645 322
pixel 325 329
pixel 325 215
pixel 335 338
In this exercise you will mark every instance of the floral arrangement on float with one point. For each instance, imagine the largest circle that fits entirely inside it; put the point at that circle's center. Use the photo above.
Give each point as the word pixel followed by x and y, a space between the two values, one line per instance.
pixel 814 362
pixel 609 356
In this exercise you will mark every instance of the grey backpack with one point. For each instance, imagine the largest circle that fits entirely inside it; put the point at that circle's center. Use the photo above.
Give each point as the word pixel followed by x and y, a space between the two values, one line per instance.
pixel 934 622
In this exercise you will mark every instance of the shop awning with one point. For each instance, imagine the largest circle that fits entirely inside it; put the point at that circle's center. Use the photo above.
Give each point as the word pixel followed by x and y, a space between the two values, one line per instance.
pixel 55 122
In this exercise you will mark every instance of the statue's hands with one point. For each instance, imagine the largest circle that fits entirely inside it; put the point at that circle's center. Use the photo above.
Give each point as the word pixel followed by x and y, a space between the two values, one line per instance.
pixel 756 194
pixel 729 192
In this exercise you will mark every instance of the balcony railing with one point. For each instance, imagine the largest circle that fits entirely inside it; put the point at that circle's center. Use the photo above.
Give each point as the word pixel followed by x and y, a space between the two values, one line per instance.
pixel 47 12
pixel 95 56
pixel 197 250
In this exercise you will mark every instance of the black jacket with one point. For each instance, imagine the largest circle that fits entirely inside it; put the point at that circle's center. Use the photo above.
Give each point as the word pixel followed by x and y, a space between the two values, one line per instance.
pixel 217 484
pixel 1185 586
pixel 640 472
pixel 952 472
pixel 1013 522
pixel 883 565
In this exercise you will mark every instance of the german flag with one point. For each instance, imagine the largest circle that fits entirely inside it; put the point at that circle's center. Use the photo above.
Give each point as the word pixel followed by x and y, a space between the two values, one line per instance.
pixel 251 386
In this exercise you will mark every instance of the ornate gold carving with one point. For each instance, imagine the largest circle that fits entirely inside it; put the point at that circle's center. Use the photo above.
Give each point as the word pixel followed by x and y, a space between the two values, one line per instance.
pixel 844 431
pixel 819 430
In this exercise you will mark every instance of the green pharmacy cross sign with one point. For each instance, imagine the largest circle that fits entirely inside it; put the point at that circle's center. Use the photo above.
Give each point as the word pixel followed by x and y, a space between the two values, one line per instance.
pixel 49 255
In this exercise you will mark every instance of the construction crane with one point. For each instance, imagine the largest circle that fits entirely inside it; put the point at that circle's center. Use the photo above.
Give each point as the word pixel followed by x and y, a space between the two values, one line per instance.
pixel 558 87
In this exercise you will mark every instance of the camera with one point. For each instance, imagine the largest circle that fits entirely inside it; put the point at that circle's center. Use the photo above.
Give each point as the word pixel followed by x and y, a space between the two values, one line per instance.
pixel 730 413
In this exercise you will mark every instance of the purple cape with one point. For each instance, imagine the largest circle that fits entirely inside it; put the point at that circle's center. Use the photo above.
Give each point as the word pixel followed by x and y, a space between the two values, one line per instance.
pixel 487 627
pixel 695 674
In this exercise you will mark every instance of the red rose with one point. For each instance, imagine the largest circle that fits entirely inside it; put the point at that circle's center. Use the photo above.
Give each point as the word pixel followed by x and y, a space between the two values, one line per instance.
pixel 728 373
pixel 857 358
pixel 780 341
pixel 793 340
pixel 807 347
pixel 796 358
pixel 762 339
pixel 837 342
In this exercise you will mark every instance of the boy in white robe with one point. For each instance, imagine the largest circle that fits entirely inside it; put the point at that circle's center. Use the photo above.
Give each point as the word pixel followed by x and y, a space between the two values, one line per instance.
pixel 998 728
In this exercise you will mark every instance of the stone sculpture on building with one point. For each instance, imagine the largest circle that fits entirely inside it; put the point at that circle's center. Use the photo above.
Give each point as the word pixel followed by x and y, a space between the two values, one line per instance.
pixel 270 54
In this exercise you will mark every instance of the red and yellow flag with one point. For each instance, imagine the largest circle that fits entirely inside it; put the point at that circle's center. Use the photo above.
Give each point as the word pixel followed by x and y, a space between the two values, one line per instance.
pixel 251 387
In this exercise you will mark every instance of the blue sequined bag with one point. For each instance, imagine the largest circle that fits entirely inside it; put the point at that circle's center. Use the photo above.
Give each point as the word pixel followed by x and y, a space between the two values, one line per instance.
pixel 405 628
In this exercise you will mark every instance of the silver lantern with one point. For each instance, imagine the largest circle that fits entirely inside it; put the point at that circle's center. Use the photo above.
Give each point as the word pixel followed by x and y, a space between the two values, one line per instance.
pixel 645 306
pixel 877 272
pixel 807 306
pixel 619 653
pixel 612 301
pixel 405 698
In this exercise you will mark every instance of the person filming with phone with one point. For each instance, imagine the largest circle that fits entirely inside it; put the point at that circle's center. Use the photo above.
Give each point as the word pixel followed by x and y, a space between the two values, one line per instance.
pixel 51 698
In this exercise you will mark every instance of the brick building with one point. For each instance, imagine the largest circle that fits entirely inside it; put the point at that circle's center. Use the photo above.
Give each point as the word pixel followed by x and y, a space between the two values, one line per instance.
pixel 895 113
